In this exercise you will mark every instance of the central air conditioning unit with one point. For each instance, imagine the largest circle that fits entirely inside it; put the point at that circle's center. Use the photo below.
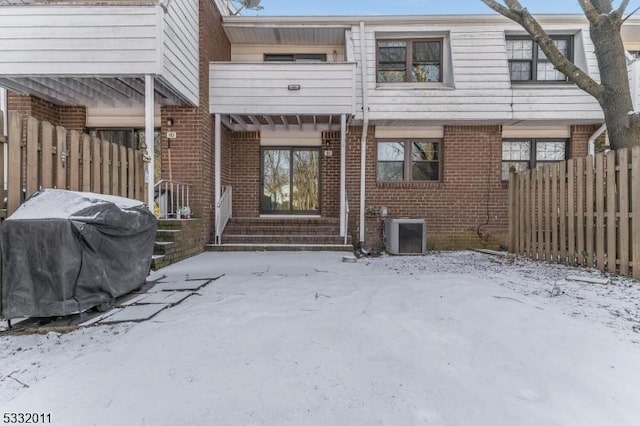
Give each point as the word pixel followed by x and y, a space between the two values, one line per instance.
pixel 405 236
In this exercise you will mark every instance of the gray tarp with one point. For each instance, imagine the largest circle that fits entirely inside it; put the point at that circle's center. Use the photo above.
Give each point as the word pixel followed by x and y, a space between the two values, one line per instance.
pixel 63 252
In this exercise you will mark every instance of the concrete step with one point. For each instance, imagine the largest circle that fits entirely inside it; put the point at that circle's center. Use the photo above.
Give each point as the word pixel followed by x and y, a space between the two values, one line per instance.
pixel 284 221
pixel 279 247
pixel 283 239
pixel 163 247
pixel 265 229
pixel 177 224
pixel 167 235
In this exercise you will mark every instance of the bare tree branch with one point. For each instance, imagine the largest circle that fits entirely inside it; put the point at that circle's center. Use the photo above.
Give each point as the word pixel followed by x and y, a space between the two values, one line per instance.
pixel 589 10
pixel 521 15
pixel 622 7
pixel 631 14
pixel 502 10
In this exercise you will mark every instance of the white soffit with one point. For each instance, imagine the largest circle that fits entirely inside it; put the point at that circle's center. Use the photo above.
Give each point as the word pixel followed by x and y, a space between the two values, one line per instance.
pixel 119 117
pixel 290 138
pixel 536 132
pixel 390 132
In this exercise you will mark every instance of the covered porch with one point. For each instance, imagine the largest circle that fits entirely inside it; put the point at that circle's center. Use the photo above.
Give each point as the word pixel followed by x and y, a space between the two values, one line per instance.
pixel 124 61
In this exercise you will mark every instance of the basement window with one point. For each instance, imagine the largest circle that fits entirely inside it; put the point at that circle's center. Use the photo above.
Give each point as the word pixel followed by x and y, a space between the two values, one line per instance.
pixel 525 154
pixel 408 160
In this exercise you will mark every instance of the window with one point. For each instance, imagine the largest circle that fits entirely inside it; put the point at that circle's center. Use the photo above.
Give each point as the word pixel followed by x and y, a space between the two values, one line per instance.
pixel 525 154
pixel 408 161
pixel 295 57
pixel 409 60
pixel 527 62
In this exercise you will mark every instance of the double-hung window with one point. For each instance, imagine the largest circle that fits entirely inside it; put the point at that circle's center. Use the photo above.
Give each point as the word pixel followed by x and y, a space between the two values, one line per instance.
pixel 528 63
pixel 403 60
pixel 525 154
pixel 409 160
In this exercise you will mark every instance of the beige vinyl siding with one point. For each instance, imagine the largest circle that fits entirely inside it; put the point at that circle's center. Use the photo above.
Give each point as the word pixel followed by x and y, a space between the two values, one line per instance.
pixel 180 40
pixel 256 52
pixel 251 88
pixel 480 89
pixel 290 138
pixel 97 40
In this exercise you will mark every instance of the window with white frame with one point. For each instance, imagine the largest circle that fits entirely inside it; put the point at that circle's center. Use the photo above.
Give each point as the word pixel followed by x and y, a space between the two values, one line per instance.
pixel 409 60
pixel 409 160
pixel 523 154
pixel 528 63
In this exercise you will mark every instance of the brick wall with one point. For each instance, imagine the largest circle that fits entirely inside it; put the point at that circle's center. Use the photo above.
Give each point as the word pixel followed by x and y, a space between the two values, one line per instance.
pixel 192 151
pixel 579 146
pixel 463 209
pixel 330 175
pixel 73 118
pixel 245 173
pixel 35 107
pixel 467 208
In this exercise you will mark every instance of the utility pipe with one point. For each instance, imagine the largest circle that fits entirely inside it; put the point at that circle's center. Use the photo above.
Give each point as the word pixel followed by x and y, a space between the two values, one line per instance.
pixel 365 129
pixel 218 172
pixel 593 137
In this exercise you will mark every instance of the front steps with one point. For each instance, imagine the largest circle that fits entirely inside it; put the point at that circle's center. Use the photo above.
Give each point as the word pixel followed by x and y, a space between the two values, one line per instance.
pixel 282 234
pixel 176 240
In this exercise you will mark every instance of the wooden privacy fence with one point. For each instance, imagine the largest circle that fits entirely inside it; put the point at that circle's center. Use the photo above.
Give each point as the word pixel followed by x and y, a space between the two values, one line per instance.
pixel 585 211
pixel 43 156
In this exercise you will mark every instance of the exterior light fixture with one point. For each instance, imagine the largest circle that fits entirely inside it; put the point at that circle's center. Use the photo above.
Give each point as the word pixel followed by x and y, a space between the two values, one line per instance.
pixel 293 87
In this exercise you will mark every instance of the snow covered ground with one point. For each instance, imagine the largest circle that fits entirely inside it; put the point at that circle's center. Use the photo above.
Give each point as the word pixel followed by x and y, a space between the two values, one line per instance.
pixel 304 339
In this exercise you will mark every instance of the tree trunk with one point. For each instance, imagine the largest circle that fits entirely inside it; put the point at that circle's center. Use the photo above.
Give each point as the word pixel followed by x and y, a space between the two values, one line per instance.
pixel 623 128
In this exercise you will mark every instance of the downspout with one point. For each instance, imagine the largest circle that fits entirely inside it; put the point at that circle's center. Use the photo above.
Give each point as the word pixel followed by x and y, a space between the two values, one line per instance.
pixel 365 129
pixel 593 137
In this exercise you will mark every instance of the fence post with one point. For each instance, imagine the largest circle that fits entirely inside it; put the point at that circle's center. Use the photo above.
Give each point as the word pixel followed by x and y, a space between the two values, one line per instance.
pixel 86 162
pixel 513 211
pixel 611 212
pixel 635 207
pixel 623 193
pixel 32 156
pixel 14 195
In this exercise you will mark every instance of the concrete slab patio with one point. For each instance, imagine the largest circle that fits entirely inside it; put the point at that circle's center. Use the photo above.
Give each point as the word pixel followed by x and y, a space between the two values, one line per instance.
pixel 305 339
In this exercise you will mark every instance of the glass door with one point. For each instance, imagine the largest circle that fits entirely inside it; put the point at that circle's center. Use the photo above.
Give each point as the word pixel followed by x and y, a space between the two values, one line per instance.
pixel 290 182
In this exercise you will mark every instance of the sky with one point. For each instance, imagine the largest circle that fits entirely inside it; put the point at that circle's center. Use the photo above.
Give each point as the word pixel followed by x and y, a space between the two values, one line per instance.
pixel 401 7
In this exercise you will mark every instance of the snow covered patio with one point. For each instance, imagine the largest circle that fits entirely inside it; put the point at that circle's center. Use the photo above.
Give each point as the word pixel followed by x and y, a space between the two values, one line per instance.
pixel 304 339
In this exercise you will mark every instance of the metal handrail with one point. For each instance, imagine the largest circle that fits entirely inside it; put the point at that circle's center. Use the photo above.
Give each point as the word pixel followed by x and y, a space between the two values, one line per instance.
pixel 224 212
pixel 172 199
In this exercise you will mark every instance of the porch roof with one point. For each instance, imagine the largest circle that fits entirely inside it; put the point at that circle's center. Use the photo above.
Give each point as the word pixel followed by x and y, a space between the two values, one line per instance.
pixel 121 91
pixel 253 122
pixel 97 54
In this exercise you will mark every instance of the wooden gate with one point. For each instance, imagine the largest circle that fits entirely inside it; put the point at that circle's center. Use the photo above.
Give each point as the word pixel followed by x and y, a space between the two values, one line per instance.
pixel 585 211
pixel 43 156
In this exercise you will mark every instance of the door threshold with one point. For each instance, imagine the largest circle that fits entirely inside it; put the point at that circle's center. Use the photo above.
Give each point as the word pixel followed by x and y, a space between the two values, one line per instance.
pixel 290 216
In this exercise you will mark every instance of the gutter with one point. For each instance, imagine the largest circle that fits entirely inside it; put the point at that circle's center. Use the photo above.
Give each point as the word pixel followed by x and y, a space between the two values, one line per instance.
pixel 365 130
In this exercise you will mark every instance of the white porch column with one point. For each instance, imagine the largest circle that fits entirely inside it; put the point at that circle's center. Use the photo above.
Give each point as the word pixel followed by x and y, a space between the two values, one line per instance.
pixel 343 178
pixel 218 172
pixel 5 158
pixel 149 119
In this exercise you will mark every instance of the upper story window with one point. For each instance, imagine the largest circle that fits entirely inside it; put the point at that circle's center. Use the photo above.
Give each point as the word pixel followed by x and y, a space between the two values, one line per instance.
pixel 527 62
pixel 295 57
pixel 415 60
